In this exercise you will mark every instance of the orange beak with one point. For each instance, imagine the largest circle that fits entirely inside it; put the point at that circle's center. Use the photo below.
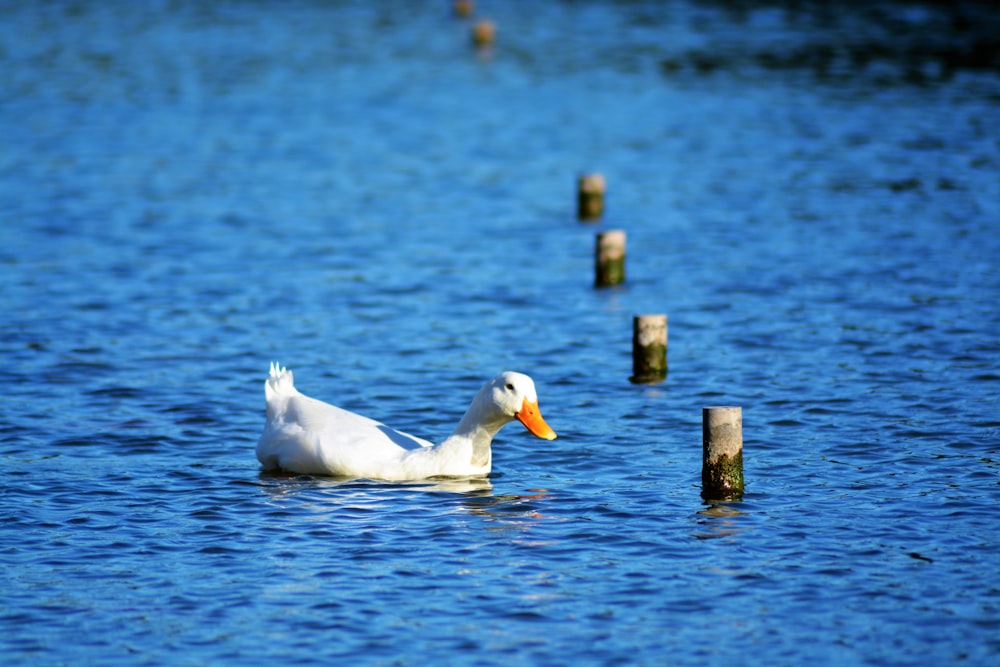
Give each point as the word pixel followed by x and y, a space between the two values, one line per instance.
pixel 532 420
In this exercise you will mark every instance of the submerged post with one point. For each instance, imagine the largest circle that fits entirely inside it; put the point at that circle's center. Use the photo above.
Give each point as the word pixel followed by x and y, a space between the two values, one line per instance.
pixel 722 453
pixel 649 349
pixel 609 258
pixel 590 196
pixel 484 33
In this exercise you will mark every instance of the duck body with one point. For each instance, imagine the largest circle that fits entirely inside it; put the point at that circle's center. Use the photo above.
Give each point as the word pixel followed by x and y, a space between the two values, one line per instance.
pixel 308 436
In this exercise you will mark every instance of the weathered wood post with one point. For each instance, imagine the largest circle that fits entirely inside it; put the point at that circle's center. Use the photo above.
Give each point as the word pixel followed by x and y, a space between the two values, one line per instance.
pixel 649 349
pixel 590 196
pixel 484 33
pixel 722 453
pixel 609 258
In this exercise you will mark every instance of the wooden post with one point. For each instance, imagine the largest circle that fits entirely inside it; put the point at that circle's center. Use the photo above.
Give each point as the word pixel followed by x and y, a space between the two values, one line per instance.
pixel 649 349
pixel 590 196
pixel 609 260
pixel 722 453
pixel 483 33
pixel 464 7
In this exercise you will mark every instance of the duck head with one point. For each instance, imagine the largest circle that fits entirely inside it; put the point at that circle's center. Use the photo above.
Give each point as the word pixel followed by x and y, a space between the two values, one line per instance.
pixel 514 396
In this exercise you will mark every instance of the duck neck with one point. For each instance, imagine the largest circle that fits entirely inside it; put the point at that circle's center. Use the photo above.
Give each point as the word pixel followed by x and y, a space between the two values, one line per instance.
pixel 479 425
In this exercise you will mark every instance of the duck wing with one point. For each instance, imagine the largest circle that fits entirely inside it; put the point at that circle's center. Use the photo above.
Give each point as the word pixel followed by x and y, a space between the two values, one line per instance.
pixel 306 435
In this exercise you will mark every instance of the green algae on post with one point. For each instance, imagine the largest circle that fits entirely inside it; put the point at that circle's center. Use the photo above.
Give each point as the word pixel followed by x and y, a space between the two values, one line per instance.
pixel 722 453
pixel 609 258
pixel 590 196
pixel 649 349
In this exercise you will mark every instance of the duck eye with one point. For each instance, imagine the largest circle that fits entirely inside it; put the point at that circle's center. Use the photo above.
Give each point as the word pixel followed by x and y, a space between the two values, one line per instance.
pixel 510 387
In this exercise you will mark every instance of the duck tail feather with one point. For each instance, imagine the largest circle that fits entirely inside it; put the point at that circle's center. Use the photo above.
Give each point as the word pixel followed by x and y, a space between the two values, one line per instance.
pixel 279 381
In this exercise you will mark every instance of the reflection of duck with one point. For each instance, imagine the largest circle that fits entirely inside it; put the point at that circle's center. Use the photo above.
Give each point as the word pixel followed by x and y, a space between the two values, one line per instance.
pixel 277 484
pixel 304 435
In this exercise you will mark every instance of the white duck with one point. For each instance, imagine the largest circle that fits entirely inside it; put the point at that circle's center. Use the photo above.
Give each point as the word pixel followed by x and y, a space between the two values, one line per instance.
pixel 305 435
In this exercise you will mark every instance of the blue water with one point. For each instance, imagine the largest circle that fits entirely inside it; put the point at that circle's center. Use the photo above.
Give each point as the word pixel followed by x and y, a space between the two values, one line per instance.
pixel 189 191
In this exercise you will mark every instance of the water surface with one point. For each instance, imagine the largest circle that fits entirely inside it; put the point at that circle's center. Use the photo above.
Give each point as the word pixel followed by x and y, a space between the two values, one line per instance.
pixel 190 191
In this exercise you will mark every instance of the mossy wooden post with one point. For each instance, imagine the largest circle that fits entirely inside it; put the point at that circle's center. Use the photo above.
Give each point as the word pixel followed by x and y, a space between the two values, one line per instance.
pixel 484 33
pixel 722 453
pixel 649 349
pixel 609 258
pixel 590 196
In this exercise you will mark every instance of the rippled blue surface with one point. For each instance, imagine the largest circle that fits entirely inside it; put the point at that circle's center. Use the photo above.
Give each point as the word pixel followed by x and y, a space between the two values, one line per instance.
pixel 191 190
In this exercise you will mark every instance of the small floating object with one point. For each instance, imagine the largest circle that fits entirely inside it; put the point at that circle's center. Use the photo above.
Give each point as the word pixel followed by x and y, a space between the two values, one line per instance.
pixel 464 7
pixel 609 258
pixel 590 196
pixel 722 453
pixel 484 32
pixel 649 349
